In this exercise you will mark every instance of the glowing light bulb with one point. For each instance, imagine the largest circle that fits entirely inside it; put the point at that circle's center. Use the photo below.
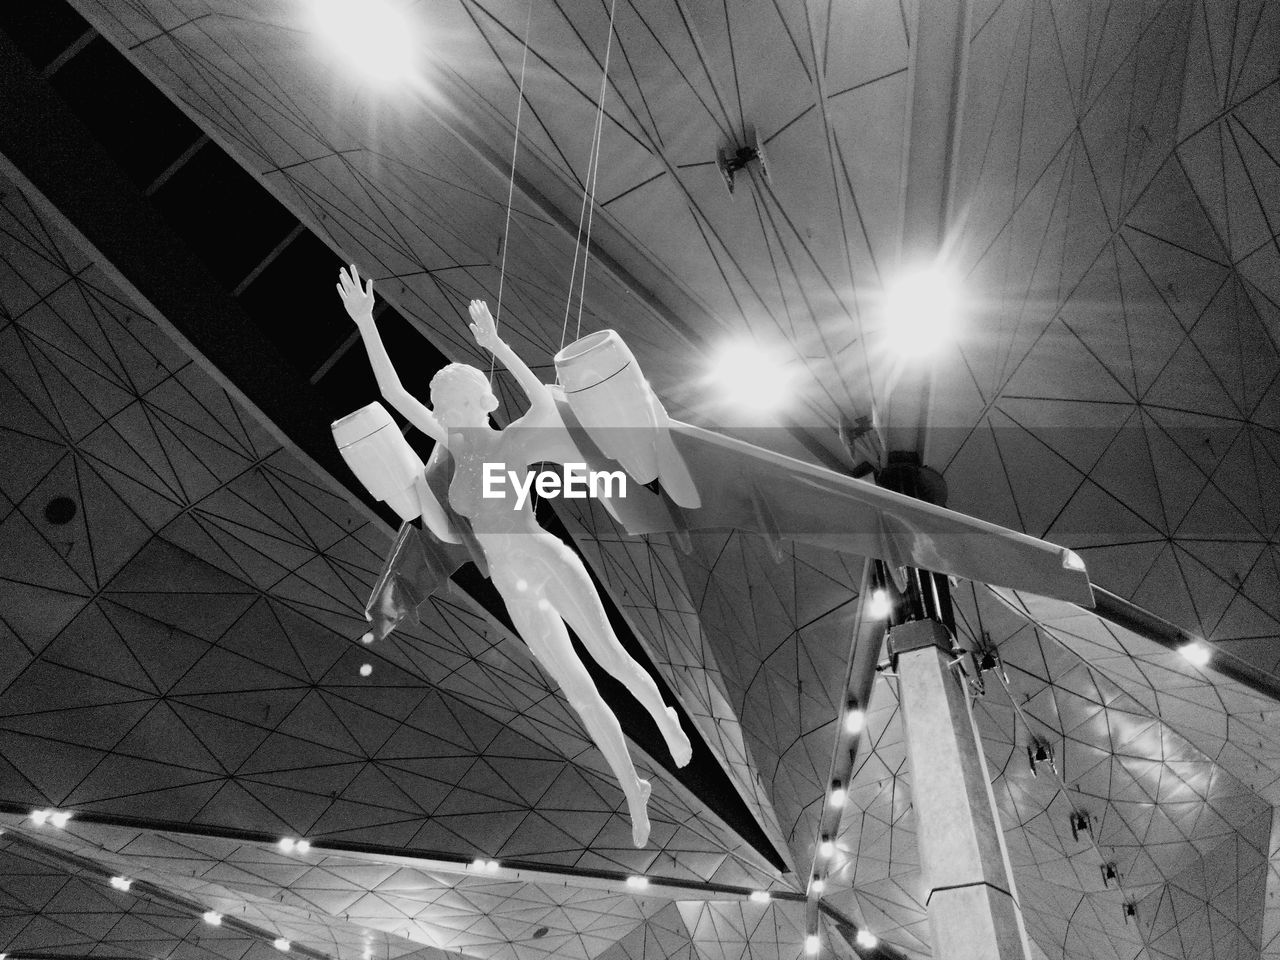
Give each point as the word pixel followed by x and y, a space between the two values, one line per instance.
pixel 281 944
pixel 286 844
pixel 854 722
pixel 302 846
pixel 826 848
pixel 867 940
pixel 817 885
pixel 366 669
pixel 121 883
pixel 880 606
pixel 812 944
pixel 1196 653
pixel 376 38
pixel 59 818
pixel 637 883
pixel 478 863
pixel 837 797
pixel 39 817
pixel 491 866
pixel 750 377
pixel 760 896
pixel 921 311
pixel 213 918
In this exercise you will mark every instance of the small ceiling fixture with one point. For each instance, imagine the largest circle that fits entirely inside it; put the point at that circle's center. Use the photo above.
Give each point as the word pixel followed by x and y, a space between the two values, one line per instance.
pixel 730 159
pixel 60 510
pixel 854 719
pixel 1196 654
pixel 1040 751
pixel 920 313
pixel 376 38
pixel 837 796
pixel 1081 822
pixel 750 377
pixel 1109 873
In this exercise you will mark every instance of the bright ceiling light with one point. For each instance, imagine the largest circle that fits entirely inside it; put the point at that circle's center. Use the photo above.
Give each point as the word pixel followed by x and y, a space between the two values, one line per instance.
pixel 281 944
pixel 1196 653
pixel 286 844
pixel 760 896
pixel 867 940
pixel 812 944
pixel 59 818
pixel 921 311
pixel 121 883
pixel 39 817
pixel 213 918
pixel 637 883
pixel 817 885
pixel 880 605
pixel 750 377
pixel 302 846
pixel 854 721
pixel 366 669
pixel 826 848
pixel 375 37
pixel 837 796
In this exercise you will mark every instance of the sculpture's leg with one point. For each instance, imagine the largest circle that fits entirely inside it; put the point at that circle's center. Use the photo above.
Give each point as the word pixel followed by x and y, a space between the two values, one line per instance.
pixel 574 595
pixel 545 633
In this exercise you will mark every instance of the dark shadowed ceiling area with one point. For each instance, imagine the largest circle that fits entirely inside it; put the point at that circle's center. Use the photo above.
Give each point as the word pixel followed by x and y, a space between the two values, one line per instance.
pixel 185 560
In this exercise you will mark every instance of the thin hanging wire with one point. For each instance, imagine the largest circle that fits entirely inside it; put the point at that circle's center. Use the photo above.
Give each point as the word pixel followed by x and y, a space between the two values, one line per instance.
pixel 589 193
pixel 511 181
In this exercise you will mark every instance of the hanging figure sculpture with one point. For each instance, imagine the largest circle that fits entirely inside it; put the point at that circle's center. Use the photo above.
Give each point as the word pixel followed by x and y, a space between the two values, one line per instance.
pixel 542 581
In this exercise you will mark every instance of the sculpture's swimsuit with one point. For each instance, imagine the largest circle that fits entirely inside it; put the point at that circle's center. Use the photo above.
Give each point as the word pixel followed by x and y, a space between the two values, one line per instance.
pixel 516 547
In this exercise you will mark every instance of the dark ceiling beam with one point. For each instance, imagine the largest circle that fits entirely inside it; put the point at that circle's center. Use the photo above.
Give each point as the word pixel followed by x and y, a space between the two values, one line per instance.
pixel 436 861
pixel 1129 616
pixel 49 153
pixel 89 869
pixel 935 108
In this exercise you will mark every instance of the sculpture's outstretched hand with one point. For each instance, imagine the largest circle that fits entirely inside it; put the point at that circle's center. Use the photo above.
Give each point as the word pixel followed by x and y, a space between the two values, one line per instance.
pixel 484 328
pixel 359 302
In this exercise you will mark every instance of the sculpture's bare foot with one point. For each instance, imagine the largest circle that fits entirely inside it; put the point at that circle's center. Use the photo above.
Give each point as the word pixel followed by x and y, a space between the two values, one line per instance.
pixel 640 816
pixel 677 740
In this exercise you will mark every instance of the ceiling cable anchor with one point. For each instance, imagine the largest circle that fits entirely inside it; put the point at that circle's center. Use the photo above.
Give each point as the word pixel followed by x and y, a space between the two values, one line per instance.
pixel 734 157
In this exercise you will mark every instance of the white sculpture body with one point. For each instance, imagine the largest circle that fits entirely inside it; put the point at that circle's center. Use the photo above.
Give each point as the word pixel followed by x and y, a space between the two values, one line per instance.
pixel 542 581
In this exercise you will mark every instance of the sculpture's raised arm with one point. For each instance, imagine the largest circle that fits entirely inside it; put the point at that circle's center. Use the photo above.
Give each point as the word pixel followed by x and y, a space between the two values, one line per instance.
pixel 359 304
pixel 485 330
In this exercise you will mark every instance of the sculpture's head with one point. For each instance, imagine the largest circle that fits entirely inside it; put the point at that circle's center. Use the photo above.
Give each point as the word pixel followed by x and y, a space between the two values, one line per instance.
pixel 461 397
